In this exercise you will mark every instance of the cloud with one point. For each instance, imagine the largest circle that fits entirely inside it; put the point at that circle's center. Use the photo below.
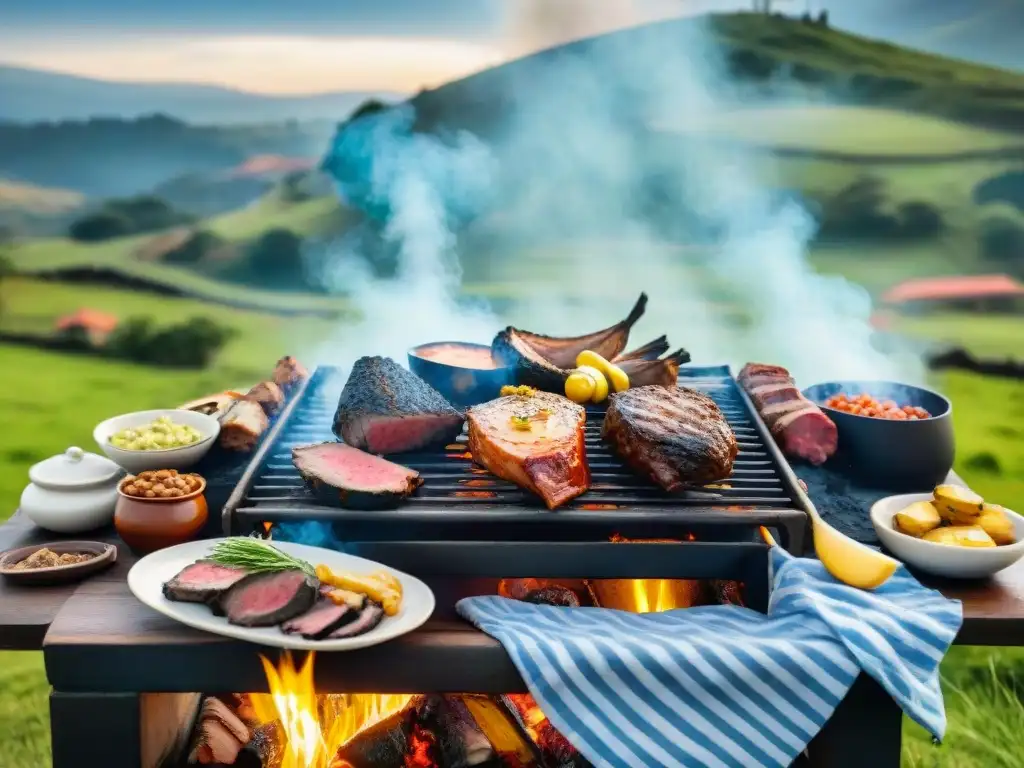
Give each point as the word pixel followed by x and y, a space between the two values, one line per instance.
pixel 270 64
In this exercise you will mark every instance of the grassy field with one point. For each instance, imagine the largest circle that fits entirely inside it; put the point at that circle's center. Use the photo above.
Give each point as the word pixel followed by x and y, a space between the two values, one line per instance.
pixel 849 129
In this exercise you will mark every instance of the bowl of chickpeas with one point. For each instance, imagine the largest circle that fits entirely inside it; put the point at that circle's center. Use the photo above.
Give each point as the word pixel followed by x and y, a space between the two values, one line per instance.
pixel 160 508
pixel 896 436
pixel 157 439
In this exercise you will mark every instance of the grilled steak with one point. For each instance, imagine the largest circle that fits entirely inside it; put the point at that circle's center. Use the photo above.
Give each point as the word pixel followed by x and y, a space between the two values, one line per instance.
pixel 202 582
pixel 339 474
pixel 676 436
pixel 265 599
pixel 797 425
pixel 535 442
pixel 367 619
pixel 386 409
pixel 320 620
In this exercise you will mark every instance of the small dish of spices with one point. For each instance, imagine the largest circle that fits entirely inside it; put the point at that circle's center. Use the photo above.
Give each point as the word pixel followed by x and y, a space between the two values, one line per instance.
pixel 56 562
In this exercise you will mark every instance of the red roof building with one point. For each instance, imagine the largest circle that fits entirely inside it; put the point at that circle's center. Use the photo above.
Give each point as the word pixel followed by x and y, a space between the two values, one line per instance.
pixel 96 325
pixel 966 288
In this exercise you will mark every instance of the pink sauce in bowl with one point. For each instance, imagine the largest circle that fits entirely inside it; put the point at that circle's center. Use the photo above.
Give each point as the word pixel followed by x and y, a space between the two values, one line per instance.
pixel 466 374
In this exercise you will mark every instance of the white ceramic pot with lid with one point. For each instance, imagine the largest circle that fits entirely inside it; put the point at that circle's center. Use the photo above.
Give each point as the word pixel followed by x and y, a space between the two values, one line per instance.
pixel 72 493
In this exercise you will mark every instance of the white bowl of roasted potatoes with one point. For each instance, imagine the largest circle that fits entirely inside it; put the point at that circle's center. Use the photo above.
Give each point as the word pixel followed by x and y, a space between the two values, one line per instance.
pixel 950 532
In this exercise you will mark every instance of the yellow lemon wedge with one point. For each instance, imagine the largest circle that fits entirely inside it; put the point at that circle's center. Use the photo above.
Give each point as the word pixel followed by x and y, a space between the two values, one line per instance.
pixel 850 561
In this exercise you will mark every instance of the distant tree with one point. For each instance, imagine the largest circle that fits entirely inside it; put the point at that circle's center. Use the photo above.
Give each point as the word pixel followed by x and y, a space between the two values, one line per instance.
pixel 1002 242
pixel 199 245
pixel 96 227
pixel 130 340
pixel 191 344
pixel 275 257
pixel 6 265
pixel 368 107
pixel 919 220
pixel 823 19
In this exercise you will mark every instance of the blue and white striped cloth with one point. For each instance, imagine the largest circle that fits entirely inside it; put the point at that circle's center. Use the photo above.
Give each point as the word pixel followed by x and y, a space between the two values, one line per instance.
pixel 725 686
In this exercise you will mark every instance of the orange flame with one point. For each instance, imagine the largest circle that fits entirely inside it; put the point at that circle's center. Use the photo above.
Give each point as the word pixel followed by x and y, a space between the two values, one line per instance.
pixel 646 595
pixel 314 733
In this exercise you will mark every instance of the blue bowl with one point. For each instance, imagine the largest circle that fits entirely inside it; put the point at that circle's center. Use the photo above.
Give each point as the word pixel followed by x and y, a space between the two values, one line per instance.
pixel 897 455
pixel 461 386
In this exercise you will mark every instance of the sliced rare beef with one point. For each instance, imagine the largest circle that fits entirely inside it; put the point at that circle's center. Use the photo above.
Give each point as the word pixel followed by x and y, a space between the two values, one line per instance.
pixel 386 409
pixel 320 620
pixel 202 582
pixel 368 618
pixel 799 426
pixel 339 474
pixel 265 599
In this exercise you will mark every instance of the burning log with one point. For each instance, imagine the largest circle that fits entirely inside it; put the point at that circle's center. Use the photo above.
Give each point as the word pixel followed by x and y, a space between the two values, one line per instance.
pixel 219 736
pixel 429 732
pixel 728 592
pixel 506 736
pixel 555 749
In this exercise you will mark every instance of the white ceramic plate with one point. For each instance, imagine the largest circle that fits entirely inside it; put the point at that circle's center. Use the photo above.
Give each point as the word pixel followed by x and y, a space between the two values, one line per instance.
pixel 147 577
pixel 942 559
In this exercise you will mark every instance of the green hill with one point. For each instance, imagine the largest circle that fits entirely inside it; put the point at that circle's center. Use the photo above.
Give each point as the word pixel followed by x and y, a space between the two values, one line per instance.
pixel 764 50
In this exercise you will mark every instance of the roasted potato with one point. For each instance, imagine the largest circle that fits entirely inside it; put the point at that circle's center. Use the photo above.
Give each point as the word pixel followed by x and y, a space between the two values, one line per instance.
pixel 960 536
pixel 917 519
pixel 997 524
pixel 957 504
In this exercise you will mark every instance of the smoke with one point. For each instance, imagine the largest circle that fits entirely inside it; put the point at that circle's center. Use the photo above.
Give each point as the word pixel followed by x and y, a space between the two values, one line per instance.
pixel 414 189
pixel 572 193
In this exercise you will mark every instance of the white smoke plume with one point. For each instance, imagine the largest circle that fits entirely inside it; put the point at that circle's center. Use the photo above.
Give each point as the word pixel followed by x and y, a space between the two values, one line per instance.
pixel 575 150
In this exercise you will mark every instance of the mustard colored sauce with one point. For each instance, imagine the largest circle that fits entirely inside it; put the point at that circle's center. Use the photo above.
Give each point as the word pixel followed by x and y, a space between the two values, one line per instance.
pixel 478 358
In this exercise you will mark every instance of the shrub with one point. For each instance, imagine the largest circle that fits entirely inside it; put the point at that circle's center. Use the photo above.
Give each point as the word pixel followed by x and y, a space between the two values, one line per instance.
pixel 983 462
pixel 191 344
pixel 276 255
pixel 100 226
pixel 920 220
pixel 1002 241
pixel 855 212
pixel 198 246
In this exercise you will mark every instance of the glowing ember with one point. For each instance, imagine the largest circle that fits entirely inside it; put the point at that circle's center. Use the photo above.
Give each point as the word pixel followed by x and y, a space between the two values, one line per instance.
pixel 314 733
pixel 475 494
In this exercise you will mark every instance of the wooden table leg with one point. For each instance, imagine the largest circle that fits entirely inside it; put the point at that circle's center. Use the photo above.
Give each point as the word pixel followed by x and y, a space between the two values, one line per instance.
pixel 95 729
pixel 865 730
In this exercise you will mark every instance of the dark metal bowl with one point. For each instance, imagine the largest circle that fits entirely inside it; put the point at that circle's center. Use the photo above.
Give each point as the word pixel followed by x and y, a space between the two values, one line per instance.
pixel 897 455
pixel 461 386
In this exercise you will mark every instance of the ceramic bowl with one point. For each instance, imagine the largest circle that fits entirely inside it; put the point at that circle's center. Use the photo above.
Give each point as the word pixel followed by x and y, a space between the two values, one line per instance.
pixel 898 455
pixel 942 559
pixel 460 386
pixel 167 458
pixel 147 525
pixel 106 554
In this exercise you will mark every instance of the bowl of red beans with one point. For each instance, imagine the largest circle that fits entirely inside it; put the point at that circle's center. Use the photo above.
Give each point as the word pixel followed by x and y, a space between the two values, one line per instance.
pixel 894 436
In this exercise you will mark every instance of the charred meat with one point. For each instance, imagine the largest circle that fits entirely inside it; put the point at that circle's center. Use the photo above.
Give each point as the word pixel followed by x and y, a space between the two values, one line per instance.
pixel 662 372
pixel 268 395
pixel 797 425
pixel 533 441
pixel 266 599
pixel 339 474
pixel 289 373
pixel 242 425
pixel 386 409
pixel 202 582
pixel 365 620
pixel 676 436
pixel 543 361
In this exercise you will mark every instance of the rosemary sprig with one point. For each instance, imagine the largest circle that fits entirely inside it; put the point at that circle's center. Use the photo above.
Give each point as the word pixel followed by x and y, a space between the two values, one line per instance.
pixel 257 556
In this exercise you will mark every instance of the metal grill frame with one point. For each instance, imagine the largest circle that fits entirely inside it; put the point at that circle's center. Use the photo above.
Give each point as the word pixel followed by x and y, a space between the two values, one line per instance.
pixel 774 498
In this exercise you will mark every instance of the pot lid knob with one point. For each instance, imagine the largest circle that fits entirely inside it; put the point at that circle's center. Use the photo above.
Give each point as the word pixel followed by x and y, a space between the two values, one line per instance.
pixel 75 454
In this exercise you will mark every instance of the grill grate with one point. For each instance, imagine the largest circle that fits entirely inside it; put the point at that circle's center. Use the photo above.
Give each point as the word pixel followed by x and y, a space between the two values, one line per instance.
pixel 761 491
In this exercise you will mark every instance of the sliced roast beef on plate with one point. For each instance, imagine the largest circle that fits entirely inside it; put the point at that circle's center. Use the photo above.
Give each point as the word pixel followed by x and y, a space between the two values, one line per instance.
pixel 339 474
pixel 368 618
pixel 265 599
pixel 386 409
pixel 202 582
pixel 320 620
